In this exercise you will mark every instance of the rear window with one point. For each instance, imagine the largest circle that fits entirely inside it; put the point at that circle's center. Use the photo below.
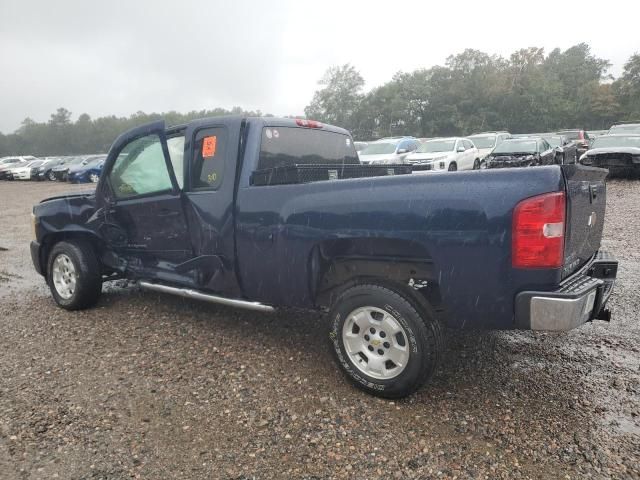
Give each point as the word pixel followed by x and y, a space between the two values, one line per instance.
pixel 286 146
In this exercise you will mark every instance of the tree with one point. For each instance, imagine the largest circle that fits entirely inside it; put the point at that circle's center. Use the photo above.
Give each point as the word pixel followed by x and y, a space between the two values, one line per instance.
pixel 627 88
pixel 339 98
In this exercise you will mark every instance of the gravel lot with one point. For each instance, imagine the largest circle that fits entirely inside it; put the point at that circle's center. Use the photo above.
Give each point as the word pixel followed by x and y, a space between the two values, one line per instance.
pixel 152 386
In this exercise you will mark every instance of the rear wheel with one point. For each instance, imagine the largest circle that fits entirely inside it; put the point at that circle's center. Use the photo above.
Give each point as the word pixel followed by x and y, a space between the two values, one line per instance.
pixel 381 342
pixel 453 167
pixel 52 176
pixel 94 178
pixel 73 275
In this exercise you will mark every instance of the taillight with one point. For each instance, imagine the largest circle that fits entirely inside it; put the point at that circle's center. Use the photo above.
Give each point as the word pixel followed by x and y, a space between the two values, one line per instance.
pixel 538 232
pixel 581 135
pixel 308 123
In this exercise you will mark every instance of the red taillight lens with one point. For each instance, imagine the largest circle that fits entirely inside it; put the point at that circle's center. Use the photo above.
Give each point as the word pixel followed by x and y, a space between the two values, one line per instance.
pixel 581 135
pixel 538 232
pixel 308 123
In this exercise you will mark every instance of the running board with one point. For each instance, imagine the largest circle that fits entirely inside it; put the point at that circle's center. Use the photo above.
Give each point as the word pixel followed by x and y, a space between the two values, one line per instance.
pixel 185 292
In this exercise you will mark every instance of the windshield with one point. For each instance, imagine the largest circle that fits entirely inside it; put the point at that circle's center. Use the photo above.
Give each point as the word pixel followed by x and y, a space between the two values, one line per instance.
pixel 516 146
pixel 607 141
pixel 433 146
pixel 554 141
pixel 572 135
pixel 635 128
pixel 484 141
pixel 379 148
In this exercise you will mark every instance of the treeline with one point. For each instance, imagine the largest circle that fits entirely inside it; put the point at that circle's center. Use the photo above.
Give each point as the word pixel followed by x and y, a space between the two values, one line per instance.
pixel 474 91
pixel 529 91
pixel 61 136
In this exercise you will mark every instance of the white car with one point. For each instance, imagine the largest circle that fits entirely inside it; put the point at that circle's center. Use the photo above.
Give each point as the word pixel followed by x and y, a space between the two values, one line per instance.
pixel 486 142
pixel 445 154
pixel 388 151
pixel 24 171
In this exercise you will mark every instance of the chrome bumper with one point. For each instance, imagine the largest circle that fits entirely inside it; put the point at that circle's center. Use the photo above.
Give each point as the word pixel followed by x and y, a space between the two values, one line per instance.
pixel 580 298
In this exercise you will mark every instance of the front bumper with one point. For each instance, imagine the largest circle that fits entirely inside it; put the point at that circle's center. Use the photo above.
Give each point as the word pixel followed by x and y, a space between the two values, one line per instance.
pixel 580 298
pixel 35 256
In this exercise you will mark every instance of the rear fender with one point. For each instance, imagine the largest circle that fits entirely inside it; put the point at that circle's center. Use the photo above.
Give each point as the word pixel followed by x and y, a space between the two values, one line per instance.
pixel 339 264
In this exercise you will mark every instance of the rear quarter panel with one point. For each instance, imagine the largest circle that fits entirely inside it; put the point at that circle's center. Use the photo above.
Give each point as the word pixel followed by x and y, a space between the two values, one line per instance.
pixel 460 222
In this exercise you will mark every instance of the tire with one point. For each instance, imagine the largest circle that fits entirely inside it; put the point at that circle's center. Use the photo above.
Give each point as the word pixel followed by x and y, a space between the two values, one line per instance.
pixel 94 178
pixel 360 322
pixel 73 275
pixel 453 167
pixel 476 164
pixel 51 176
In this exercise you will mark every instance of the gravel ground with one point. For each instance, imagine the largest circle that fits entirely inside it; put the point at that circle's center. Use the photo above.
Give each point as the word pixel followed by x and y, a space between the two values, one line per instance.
pixel 153 386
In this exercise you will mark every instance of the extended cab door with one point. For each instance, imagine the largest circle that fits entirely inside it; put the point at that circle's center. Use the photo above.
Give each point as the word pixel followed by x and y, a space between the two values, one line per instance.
pixel 144 221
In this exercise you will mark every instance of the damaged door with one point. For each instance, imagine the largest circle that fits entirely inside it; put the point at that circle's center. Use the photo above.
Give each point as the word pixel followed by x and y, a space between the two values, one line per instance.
pixel 145 224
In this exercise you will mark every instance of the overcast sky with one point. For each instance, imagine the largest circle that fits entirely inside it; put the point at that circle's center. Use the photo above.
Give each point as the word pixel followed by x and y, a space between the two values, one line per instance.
pixel 119 57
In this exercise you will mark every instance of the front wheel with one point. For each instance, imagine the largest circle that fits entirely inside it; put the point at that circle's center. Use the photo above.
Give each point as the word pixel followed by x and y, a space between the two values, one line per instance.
pixel 381 342
pixel 453 167
pixel 52 176
pixel 476 164
pixel 73 275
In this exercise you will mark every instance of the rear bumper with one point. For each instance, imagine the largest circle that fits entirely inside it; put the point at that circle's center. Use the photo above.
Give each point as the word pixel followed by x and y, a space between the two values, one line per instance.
pixel 579 299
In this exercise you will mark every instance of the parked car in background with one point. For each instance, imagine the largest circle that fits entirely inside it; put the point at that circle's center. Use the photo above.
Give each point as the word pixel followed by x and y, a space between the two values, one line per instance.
pixel 10 163
pixel 44 171
pixel 617 152
pixel 388 150
pixel 485 142
pixel 581 138
pixel 625 127
pixel 596 133
pixel 87 171
pixel 6 163
pixel 61 171
pixel 360 146
pixel 24 171
pixel 566 150
pixel 445 154
pixel 522 152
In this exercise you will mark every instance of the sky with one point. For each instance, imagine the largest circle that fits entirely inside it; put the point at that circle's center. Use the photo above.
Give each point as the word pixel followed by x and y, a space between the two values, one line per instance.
pixel 120 57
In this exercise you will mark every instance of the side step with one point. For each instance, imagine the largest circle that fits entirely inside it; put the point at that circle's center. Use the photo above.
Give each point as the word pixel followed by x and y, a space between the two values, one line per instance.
pixel 185 292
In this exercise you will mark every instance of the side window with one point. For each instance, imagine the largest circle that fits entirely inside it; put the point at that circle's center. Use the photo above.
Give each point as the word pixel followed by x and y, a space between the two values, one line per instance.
pixel 140 169
pixel 460 145
pixel 207 165
pixel 175 145
pixel 414 146
pixel 467 144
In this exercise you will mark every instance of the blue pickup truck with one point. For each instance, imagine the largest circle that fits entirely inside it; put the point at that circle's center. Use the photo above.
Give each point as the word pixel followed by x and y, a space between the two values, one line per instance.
pixel 223 210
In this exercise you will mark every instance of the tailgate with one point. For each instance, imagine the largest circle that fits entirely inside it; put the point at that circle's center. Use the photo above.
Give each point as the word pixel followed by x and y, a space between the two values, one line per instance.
pixel 586 201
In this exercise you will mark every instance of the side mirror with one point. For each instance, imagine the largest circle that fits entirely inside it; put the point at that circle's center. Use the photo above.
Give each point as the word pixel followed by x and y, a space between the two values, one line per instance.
pixel 402 150
pixel 460 149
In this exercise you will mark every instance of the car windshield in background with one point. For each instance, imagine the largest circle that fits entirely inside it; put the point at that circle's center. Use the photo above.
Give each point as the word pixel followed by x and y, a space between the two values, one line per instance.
pixel 516 146
pixel 631 128
pixel 486 141
pixel 572 135
pixel 433 146
pixel 554 141
pixel 379 148
pixel 608 141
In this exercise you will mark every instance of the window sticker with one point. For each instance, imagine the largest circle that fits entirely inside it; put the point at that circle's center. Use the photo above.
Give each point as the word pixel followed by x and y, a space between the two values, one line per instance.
pixel 267 132
pixel 209 146
pixel 276 134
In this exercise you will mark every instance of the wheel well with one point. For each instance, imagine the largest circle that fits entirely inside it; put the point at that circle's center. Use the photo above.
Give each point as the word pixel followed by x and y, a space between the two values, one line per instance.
pixel 51 239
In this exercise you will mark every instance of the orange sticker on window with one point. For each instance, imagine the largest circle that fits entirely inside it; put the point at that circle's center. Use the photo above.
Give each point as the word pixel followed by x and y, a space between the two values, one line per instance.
pixel 209 146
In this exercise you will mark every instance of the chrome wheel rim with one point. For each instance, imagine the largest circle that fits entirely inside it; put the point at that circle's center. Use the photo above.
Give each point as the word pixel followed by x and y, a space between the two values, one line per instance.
pixel 94 178
pixel 376 343
pixel 64 276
